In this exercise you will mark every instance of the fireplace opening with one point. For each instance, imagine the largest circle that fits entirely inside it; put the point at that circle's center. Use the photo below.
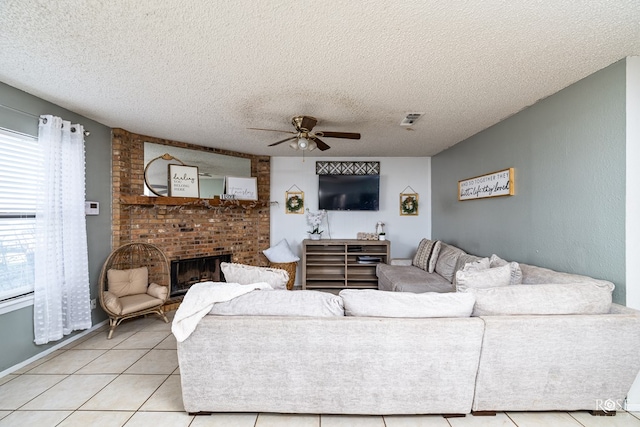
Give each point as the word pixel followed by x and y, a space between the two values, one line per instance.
pixel 187 272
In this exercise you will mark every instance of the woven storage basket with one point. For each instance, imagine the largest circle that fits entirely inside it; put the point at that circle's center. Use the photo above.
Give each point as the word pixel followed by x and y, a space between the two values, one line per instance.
pixel 289 267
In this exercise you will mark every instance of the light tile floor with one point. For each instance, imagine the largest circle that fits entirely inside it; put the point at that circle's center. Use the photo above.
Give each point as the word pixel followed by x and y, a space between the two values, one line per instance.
pixel 134 380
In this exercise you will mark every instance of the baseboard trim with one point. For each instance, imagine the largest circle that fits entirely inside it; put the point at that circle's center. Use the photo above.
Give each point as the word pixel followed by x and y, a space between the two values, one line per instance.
pixel 52 349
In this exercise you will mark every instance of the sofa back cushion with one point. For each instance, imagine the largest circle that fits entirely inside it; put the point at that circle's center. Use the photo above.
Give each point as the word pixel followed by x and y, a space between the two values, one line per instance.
pixel 427 255
pixel 446 262
pixel 565 298
pixel 281 303
pixel 127 282
pixel 374 303
pixel 248 274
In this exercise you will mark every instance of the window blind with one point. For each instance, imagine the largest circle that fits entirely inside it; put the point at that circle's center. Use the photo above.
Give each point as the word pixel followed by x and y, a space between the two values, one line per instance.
pixel 19 174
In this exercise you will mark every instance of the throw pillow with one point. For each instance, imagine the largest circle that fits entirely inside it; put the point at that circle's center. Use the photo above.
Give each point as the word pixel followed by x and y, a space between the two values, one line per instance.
pixel 492 277
pixel 566 298
pixel 447 259
pixel 248 274
pixel 281 253
pixel 112 302
pixel 421 258
pixel 122 283
pixel 374 303
pixel 433 259
pixel 281 303
pixel 477 265
pixel 516 272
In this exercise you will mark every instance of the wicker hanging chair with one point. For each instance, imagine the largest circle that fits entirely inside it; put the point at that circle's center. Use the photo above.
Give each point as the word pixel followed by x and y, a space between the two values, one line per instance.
pixel 140 283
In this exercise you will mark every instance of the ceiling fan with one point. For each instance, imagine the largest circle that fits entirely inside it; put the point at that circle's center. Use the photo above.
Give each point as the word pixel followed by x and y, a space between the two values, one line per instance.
pixel 304 138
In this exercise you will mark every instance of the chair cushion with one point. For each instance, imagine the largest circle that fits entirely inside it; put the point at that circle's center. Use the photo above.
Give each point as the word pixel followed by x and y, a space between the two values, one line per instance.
pixel 373 303
pixel 128 282
pixel 158 291
pixel 248 274
pixel 132 303
pixel 112 302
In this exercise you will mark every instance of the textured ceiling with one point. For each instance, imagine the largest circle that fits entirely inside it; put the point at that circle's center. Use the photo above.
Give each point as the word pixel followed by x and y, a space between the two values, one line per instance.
pixel 203 71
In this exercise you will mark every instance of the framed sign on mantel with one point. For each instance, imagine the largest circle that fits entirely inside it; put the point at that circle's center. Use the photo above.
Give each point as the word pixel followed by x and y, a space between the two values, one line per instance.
pixel 495 184
pixel 183 181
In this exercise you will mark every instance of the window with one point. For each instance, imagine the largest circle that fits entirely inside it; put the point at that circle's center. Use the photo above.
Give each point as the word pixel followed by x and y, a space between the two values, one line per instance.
pixel 19 159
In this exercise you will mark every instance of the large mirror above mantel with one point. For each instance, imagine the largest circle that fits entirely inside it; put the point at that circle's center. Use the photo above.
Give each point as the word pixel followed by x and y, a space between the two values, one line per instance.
pixel 212 168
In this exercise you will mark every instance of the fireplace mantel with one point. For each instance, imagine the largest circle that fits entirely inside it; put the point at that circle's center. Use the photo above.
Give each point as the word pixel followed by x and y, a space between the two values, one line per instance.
pixel 190 201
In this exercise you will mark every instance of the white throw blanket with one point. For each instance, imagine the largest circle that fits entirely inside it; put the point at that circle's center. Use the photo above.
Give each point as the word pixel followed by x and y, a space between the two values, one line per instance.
pixel 199 300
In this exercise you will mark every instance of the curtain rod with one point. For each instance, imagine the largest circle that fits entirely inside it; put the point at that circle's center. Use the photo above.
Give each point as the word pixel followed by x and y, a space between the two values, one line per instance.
pixel 86 132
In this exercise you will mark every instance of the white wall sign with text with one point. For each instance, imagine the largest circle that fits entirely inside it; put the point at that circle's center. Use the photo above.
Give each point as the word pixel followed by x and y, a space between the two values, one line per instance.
pixel 242 188
pixel 494 184
pixel 183 181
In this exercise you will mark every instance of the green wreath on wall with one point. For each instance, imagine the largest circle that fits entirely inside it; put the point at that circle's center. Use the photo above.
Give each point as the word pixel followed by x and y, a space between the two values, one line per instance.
pixel 295 203
pixel 409 204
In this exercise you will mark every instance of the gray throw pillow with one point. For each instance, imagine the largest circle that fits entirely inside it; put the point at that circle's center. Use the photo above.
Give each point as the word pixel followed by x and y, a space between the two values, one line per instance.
pixel 447 259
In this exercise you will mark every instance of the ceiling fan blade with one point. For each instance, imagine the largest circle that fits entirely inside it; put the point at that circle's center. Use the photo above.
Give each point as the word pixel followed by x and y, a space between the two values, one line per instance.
pixel 308 123
pixel 321 145
pixel 347 135
pixel 284 140
pixel 273 130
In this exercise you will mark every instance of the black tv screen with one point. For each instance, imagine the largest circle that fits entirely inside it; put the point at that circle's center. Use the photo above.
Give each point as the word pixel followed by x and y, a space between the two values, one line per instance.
pixel 349 192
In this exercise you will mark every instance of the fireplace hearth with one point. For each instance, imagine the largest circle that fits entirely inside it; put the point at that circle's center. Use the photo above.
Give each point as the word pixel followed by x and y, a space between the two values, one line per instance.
pixel 187 272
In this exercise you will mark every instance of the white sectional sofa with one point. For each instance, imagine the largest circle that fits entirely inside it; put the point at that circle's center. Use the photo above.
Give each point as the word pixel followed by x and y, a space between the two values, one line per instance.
pixel 377 352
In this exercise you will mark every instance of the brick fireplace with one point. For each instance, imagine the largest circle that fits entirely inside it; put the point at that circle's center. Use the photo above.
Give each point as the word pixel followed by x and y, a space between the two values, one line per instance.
pixel 186 229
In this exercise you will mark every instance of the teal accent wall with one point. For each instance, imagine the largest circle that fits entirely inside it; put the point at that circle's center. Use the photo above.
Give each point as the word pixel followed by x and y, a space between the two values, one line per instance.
pixel 568 211
pixel 16 327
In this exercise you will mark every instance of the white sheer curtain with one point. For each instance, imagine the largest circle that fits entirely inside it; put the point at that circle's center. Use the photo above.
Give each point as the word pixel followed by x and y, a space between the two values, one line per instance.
pixel 62 299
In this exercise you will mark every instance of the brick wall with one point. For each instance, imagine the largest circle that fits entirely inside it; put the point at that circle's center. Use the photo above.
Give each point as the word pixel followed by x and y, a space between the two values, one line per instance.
pixel 186 231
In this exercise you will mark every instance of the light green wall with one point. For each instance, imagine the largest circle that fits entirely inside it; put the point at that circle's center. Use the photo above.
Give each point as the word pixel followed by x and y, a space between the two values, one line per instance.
pixel 16 328
pixel 568 212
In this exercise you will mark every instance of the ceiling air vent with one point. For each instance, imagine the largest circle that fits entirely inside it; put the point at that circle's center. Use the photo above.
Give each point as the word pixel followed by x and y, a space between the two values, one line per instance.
pixel 410 119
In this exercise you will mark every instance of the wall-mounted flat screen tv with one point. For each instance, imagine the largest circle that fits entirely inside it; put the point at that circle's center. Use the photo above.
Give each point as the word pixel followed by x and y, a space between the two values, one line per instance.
pixel 349 192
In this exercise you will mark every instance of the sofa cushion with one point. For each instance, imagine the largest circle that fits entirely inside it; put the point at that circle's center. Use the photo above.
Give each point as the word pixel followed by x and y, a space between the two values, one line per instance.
pixel 516 272
pixel 447 259
pixel 532 274
pixel 281 253
pixel 402 278
pixel 427 255
pixel 489 278
pixel 127 282
pixel 248 274
pixel 132 303
pixel 281 303
pixel 566 298
pixel 373 303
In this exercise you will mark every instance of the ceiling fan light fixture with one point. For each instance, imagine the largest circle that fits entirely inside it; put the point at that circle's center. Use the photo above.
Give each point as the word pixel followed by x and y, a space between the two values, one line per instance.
pixel 312 145
pixel 294 145
pixel 303 143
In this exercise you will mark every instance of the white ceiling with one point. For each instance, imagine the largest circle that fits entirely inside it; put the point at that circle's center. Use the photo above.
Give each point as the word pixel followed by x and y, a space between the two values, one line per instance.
pixel 203 71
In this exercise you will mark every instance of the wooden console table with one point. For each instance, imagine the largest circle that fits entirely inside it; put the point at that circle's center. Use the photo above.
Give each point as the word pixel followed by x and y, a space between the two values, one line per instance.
pixel 342 264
